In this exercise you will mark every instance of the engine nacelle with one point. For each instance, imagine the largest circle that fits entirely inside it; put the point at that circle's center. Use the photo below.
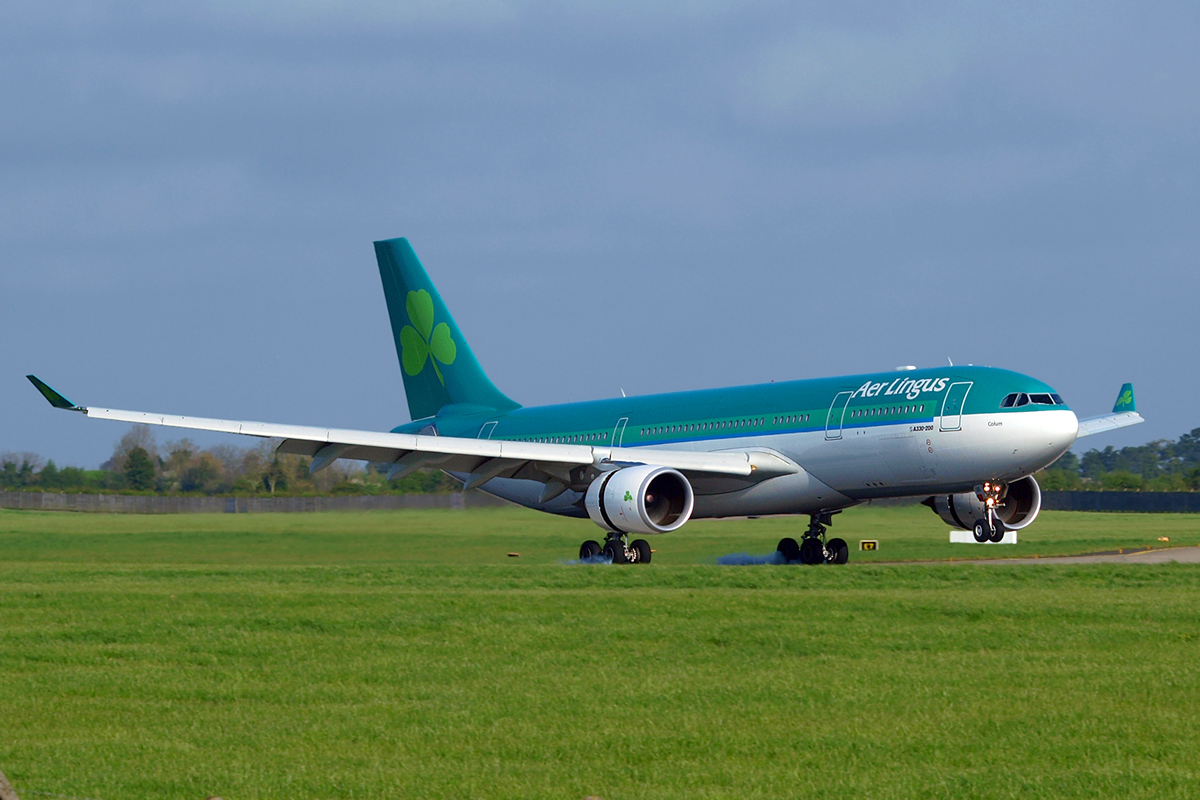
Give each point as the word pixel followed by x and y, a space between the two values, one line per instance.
pixel 644 499
pixel 1018 507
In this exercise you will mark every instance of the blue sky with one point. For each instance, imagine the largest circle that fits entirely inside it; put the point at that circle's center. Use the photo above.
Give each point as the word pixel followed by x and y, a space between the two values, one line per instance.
pixel 609 196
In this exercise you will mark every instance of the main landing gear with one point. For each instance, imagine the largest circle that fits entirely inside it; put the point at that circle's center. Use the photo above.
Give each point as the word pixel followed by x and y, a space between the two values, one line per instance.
pixel 814 547
pixel 617 549
pixel 991 527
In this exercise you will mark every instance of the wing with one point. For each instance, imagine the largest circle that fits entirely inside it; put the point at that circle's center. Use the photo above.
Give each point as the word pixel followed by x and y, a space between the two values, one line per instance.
pixel 1124 413
pixel 1107 422
pixel 560 466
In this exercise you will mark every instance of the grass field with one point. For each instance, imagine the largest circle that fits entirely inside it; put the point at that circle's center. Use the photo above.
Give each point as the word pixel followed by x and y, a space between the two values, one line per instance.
pixel 405 655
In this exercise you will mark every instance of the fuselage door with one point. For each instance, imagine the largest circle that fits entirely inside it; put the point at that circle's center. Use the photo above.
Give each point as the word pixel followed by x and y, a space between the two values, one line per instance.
pixel 619 432
pixel 952 406
pixel 837 412
pixel 486 431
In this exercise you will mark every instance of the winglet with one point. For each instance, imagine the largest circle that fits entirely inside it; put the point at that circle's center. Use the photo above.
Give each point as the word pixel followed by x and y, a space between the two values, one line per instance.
pixel 1125 400
pixel 56 399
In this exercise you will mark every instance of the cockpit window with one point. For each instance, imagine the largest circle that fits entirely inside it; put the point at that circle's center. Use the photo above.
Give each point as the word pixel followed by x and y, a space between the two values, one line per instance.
pixel 1018 399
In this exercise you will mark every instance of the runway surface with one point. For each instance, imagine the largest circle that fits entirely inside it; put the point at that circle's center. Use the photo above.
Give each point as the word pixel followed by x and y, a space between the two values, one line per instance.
pixel 1182 555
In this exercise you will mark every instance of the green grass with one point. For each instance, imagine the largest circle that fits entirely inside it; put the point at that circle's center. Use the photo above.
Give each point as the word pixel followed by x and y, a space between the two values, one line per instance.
pixel 404 655
pixel 486 536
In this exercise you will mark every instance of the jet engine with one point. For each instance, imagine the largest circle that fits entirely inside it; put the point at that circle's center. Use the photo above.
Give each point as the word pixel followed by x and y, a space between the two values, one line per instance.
pixel 1019 505
pixel 642 499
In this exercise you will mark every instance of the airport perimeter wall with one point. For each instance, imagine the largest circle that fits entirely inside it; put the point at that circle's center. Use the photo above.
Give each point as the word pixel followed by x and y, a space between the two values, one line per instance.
pixel 1146 502
pixel 153 504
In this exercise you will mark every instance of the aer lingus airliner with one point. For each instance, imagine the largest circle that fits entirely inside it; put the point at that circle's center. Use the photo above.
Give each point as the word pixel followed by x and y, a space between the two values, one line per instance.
pixel 965 438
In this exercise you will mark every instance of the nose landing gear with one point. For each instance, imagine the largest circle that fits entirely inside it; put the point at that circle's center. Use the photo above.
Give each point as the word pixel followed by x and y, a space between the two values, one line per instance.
pixel 814 547
pixel 991 527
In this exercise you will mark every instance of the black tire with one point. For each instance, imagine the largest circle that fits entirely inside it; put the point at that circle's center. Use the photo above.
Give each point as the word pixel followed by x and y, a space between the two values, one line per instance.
pixel 982 534
pixel 641 551
pixel 837 551
pixel 589 549
pixel 998 534
pixel 811 552
pixel 615 552
pixel 789 549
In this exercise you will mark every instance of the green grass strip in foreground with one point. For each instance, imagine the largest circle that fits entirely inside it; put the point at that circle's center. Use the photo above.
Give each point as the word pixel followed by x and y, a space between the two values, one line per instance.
pixel 263 658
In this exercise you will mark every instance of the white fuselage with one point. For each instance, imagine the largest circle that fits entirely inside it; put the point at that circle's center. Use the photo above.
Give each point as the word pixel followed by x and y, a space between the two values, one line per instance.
pixel 865 462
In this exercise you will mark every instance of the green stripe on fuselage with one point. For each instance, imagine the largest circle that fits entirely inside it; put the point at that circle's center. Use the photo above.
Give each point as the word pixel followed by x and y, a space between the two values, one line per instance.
pixel 744 411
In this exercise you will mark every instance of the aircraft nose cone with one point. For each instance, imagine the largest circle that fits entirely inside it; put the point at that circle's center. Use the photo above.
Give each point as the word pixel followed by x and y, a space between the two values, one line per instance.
pixel 1070 425
pixel 1059 431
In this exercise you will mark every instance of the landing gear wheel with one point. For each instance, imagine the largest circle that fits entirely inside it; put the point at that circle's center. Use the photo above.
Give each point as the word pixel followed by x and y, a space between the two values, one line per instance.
pixel 615 551
pixel 640 551
pixel 788 549
pixel 997 533
pixel 811 551
pixel 589 550
pixel 982 534
pixel 837 551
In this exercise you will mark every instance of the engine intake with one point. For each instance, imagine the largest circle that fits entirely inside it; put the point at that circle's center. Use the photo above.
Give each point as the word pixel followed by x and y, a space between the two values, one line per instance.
pixel 642 499
pixel 1018 507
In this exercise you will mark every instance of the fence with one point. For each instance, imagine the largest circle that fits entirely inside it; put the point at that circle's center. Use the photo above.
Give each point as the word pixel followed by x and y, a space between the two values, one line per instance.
pixel 153 504
pixel 1153 502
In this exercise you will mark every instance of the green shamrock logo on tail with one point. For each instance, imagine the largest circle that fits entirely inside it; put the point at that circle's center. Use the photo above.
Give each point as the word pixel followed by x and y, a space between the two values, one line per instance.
pixel 421 341
pixel 1126 398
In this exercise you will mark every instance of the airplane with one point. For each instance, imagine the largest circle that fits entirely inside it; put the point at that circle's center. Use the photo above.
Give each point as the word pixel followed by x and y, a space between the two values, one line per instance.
pixel 967 439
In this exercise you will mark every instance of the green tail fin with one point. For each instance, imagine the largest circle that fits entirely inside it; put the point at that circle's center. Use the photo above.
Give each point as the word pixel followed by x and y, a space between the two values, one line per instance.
pixel 1125 400
pixel 56 399
pixel 438 366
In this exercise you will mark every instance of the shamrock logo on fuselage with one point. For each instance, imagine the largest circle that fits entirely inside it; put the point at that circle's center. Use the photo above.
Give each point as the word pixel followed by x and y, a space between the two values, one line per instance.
pixel 421 342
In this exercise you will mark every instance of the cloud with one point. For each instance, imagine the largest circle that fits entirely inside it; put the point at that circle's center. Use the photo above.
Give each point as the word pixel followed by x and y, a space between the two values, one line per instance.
pixel 474 13
pixel 302 12
pixel 834 77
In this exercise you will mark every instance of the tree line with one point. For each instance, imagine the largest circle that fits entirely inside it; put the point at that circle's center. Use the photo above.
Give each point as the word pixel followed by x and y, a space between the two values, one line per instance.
pixel 1161 466
pixel 139 465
